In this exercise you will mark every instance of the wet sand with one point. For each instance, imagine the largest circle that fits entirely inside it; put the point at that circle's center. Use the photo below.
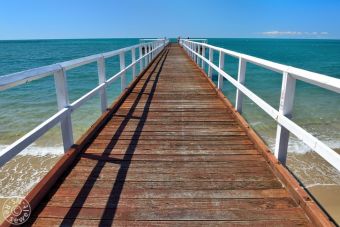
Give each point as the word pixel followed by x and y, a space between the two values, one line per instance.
pixel 329 197
pixel 319 178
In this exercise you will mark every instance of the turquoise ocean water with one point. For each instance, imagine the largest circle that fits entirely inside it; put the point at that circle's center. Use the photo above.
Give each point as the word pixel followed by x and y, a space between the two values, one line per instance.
pixel 24 107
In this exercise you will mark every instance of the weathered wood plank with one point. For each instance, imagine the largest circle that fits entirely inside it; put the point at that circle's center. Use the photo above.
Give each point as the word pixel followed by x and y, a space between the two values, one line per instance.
pixel 195 175
pixel 136 141
pixel 93 160
pixel 177 134
pixel 174 185
pixel 148 213
pixel 222 204
pixel 173 151
pixel 130 148
pixel 142 223
pixel 173 158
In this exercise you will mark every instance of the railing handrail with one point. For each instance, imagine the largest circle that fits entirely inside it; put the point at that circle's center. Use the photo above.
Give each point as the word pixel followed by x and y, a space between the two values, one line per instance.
pixel 317 79
pixel 147 52
pixel 198 39
pixel 284 114
pixel 17 78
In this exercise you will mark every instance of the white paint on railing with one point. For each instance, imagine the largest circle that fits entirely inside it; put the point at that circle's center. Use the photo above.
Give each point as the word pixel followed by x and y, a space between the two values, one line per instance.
pixel 149 53
pixel 15 79
pixel 146 54
pixel 199 40
pixel 241 76
pixel 122 67
pixel 197 51
pixel 133 60
pixel 211 59
pixel 286 109
pixel 221 66
pixel 203 55
pixel 282 117
pixel 140 56
pixel 65 108
pixel 63 102
pixel 102 80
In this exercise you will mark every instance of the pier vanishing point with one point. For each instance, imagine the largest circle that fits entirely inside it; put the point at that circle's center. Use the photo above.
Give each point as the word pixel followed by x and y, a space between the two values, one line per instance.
pixel 172 150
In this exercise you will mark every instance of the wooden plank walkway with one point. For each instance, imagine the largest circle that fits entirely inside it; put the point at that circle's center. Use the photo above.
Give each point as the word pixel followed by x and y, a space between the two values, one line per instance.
pixel 172 153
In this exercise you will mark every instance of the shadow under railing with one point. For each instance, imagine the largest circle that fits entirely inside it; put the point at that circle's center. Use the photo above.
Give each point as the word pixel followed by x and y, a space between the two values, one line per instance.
pixel 114 196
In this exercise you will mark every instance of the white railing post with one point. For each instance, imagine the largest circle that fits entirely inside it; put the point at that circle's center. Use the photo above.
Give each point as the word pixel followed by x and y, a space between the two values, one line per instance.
pixel 192 53
pixel 63 101
pixel 133 59
pixel 211 59
pixel 150 58
pixel 159 44
pixel 191 50
pixel 195 51
pixel 154 47
pixel 286 109
pixel 199 52
pixel 101 80
pixel 146 48
pixel 221 66
pixel 240 78
pixel 151 53
pixel 122 67
pixel 187 47
pixel 141 61
pixel 145 63
pixel 203 55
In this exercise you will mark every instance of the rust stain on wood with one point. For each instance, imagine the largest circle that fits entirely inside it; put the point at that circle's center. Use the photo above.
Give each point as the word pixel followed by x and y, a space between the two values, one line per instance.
pixel 171 152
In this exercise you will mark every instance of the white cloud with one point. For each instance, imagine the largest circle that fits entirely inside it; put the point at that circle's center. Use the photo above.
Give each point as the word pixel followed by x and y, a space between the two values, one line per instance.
pixel 293 33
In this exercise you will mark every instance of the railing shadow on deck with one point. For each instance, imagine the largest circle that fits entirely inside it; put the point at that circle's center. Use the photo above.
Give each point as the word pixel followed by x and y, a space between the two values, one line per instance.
pixel 114 196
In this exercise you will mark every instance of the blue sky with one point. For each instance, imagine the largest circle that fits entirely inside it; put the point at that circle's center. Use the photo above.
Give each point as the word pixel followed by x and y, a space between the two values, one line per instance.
pixel 38 19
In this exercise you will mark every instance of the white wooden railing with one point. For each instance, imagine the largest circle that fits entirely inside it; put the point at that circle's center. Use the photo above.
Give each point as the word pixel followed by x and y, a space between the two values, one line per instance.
pixel 150 51
pixel 196 50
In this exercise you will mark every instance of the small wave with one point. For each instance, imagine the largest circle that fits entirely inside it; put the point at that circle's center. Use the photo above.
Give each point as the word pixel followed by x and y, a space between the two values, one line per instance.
pixel 37 151
pixel 297 146
pixel 318 184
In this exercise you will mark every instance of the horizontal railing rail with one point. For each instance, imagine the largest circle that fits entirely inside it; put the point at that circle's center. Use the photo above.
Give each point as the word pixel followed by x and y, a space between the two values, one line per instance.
pixel 199 40
pixel 150 39
pixel 147 52
pixel 196 51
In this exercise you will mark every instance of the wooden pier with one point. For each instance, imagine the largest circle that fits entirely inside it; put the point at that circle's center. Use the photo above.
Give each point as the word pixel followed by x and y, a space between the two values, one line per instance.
pixel 171 152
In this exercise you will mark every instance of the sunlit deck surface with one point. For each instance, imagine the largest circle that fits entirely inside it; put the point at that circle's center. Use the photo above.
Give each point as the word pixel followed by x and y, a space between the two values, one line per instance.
pixel 172 153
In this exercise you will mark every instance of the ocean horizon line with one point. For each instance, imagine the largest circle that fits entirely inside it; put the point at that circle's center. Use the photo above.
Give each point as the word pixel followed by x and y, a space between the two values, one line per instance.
pixel 107 38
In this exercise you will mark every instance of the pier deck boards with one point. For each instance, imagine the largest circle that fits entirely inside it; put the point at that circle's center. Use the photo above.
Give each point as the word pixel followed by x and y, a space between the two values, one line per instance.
pixel 172 153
